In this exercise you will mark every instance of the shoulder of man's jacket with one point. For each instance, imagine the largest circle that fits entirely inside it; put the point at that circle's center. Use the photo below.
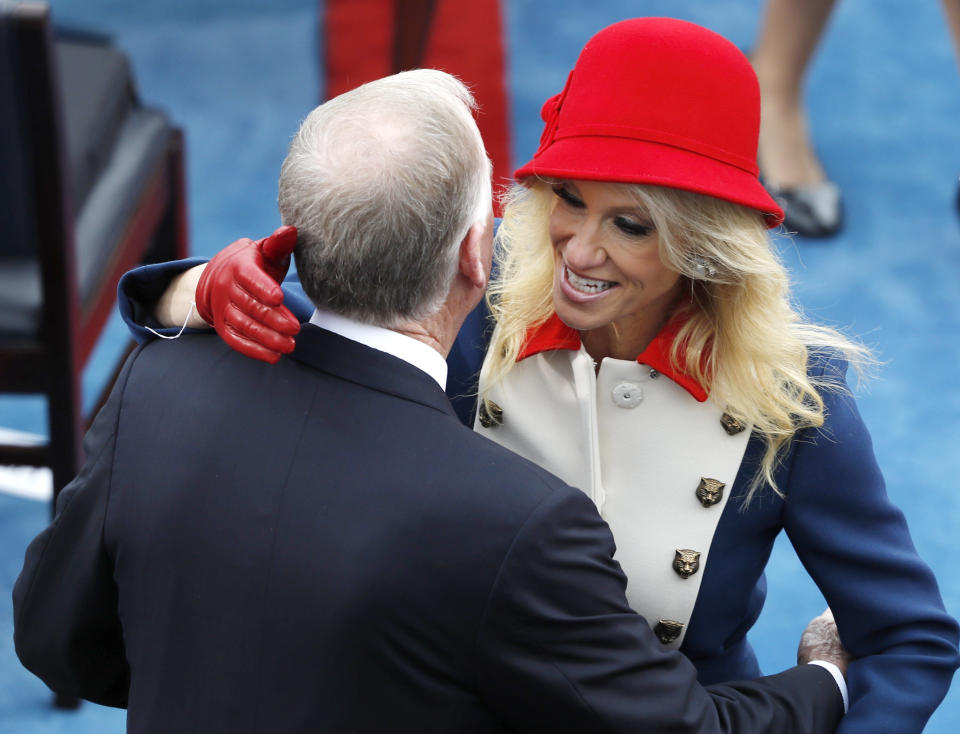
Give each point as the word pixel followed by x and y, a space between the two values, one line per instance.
pixel 503 473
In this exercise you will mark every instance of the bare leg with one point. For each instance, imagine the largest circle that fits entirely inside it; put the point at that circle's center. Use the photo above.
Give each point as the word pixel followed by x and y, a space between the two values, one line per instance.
pixel 951 8
pixel 789 33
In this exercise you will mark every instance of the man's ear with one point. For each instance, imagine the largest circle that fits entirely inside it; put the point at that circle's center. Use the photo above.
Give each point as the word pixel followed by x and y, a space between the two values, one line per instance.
pixel 474 259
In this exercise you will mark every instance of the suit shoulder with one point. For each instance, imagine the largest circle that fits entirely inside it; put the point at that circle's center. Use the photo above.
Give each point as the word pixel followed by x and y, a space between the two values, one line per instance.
pixel 500 469
pixel 201 341
pixel 195 356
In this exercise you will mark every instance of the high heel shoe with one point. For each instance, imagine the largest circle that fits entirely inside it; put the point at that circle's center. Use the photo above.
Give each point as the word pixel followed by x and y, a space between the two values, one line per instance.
pixel 813 210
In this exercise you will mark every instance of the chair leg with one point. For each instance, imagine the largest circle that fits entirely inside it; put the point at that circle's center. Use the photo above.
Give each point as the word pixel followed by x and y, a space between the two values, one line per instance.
pixel 66 703
pixel 170 242
pixel 179 187
pixel 66 428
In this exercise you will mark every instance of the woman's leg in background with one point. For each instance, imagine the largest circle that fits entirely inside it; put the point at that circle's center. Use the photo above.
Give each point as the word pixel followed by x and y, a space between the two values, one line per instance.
pixel 789 33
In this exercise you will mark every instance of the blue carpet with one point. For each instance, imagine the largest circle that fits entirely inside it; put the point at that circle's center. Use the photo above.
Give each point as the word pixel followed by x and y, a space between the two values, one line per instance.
pixel 884 100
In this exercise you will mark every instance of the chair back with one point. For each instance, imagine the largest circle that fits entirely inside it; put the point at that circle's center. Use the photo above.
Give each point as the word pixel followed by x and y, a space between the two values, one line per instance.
pixel 37 281
pixel 91 185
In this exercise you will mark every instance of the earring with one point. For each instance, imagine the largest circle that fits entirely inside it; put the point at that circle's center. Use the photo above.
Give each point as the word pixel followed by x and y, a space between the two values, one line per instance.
pixel 703 267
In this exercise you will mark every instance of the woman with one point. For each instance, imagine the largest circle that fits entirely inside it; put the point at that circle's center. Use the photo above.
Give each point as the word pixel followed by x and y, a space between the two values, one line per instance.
pixel 646 351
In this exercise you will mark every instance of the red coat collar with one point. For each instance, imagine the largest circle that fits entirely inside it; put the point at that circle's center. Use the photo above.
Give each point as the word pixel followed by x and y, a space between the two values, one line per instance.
pixel 553 334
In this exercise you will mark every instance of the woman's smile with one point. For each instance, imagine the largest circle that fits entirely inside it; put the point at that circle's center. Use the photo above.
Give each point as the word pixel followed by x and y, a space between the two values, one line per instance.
pixel 578 286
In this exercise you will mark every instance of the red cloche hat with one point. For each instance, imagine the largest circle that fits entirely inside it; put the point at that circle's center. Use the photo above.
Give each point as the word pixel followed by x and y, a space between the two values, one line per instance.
pixel 658 101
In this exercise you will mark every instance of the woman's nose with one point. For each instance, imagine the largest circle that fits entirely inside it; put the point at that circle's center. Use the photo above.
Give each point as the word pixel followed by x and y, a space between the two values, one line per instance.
pixel 584 249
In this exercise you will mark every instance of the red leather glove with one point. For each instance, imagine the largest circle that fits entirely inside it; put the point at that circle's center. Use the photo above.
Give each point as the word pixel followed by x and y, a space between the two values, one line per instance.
pixel 239 294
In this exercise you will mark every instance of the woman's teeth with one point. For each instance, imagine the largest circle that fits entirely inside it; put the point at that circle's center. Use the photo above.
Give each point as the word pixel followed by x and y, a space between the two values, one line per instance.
pixel 587 285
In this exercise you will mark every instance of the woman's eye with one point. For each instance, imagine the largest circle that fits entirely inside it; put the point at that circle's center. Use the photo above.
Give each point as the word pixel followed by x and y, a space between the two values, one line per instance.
pixel 567 197
pixel 633 228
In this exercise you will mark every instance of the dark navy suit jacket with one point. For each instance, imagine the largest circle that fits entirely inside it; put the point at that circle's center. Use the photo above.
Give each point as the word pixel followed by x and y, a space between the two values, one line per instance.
pixel 321 546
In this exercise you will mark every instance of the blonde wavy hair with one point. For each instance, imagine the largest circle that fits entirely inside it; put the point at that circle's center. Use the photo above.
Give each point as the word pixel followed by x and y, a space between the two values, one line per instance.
pixel 743 338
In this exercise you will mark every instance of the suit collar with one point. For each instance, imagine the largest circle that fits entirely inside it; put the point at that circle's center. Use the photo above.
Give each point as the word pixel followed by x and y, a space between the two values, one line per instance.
pixel 399 345
pixel 354 362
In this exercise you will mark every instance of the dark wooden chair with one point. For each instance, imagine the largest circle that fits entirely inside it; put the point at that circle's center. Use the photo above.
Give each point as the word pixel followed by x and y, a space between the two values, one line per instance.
pixel 92 184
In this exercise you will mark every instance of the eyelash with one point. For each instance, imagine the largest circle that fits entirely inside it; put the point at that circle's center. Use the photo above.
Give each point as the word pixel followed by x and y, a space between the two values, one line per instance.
pixel 567 198
pixel 627 226
pixel 633 229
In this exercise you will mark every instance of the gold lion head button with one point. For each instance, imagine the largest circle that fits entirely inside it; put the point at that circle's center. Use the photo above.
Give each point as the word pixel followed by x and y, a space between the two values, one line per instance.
pixel 731 425
pixel 490 414
pixel 667 630
pixel 686 562
pixel 710 491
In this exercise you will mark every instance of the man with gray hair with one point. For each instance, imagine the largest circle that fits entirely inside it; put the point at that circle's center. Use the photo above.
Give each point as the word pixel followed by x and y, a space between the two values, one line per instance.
pixel 320 545
pixel 382 193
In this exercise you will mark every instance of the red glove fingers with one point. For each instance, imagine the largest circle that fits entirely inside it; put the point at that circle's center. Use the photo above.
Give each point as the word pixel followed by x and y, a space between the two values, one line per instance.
pixel 278 247
pixel 259 288
pixel 252 338
pixel 271 326
pixel 239 294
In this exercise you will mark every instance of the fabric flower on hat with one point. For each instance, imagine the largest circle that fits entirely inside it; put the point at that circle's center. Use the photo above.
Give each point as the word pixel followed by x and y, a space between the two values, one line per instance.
pixel 550 113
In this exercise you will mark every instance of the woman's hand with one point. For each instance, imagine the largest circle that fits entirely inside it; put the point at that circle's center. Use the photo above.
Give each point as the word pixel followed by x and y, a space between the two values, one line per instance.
pixel 239 294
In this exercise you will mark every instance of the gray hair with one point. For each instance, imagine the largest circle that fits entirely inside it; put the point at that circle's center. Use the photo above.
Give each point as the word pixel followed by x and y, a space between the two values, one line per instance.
pixel 383 183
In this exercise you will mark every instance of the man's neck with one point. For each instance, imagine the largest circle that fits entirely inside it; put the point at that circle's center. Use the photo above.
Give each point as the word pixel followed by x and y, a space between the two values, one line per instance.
pixel 415 345
pixel 438 331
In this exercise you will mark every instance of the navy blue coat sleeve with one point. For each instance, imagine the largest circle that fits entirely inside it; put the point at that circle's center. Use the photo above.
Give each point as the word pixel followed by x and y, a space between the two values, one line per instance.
pixel 140 288
pixel 67 628
pixel 138 292
pixel 465 360
pixel 855 544
pixel 559 649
